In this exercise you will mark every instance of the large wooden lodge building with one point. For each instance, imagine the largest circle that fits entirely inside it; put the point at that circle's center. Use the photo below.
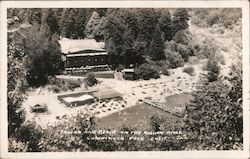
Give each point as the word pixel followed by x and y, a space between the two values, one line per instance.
pixel 83 53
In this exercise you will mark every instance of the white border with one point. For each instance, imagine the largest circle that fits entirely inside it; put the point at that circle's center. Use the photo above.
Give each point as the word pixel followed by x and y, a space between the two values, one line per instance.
pixel 126 4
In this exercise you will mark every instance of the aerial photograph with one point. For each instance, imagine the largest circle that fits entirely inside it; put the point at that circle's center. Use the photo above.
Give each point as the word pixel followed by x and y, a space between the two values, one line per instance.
pixel 124 79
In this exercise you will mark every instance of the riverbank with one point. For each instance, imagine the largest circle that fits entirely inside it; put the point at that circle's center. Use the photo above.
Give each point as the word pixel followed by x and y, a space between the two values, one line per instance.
pixel 132 92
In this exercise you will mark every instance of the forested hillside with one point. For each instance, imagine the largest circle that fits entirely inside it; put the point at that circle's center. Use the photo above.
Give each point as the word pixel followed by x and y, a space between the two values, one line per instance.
pixel 151 39
pixel 130 35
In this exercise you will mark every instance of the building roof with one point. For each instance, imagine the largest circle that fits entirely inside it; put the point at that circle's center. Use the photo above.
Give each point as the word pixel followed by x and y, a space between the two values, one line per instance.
pixel 75 45
pixel 87 54
pixel 106 93
pixel 80 98
pixel 128 70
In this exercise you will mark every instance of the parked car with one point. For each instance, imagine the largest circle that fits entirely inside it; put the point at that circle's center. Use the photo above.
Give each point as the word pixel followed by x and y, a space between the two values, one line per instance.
pixel 39 108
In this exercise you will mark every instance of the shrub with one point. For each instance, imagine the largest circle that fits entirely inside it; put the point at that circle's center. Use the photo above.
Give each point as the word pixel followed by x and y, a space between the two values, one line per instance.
pixel 198 21
pixel 184 50
pixel 72 84
pixel 155 122
pixel 56 84
pixel 189 70
pixel 174 59
pixel 183 37
pixel 230 17
pixel 213 17
pixel 225 17
pixel 225 49
pixel 56 140
pixel 54 89
pixel 220 30
pixel 165 70
pixel 213 69
pixel 207 48
pixel 147 71
pixel 179 49
pixel 29 131
pixel 31 134
pixel 16 146
pixel 162 67
pixel 91 80
pixel 236 80
pixel 120 67
pixel 193 60
pixel 197 48
pixel 171 45
pixel 16 115
pixel 220 58
pixel 16 87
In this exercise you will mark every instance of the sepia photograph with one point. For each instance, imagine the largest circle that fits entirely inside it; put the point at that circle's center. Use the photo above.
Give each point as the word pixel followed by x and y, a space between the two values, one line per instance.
pixel 124 79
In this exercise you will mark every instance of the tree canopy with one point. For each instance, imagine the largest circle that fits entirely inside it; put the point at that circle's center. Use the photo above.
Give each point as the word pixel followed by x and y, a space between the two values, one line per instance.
pixel 42 55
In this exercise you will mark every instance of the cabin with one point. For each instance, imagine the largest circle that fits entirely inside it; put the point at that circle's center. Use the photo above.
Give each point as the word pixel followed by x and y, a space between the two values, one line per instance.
pixel 88 97
pixel 128 74
pixel 76 99
pixel 83 54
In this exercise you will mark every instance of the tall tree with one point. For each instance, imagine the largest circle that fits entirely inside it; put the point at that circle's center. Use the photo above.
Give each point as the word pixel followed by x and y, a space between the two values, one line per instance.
pixel 113 31
pixel 156 49
pixel 132 52
pixel 67 23
pixel 180 20
pixel 129 18
pixel 49 18
pixel 92 26
pixel 165 23
pixel 42 55
pixel 80 20
pixel 147 20
pixel 72 24
pixel 34 15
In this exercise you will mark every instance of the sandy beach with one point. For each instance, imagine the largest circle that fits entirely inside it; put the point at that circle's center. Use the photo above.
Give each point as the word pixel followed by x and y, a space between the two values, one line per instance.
pixel 132 92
